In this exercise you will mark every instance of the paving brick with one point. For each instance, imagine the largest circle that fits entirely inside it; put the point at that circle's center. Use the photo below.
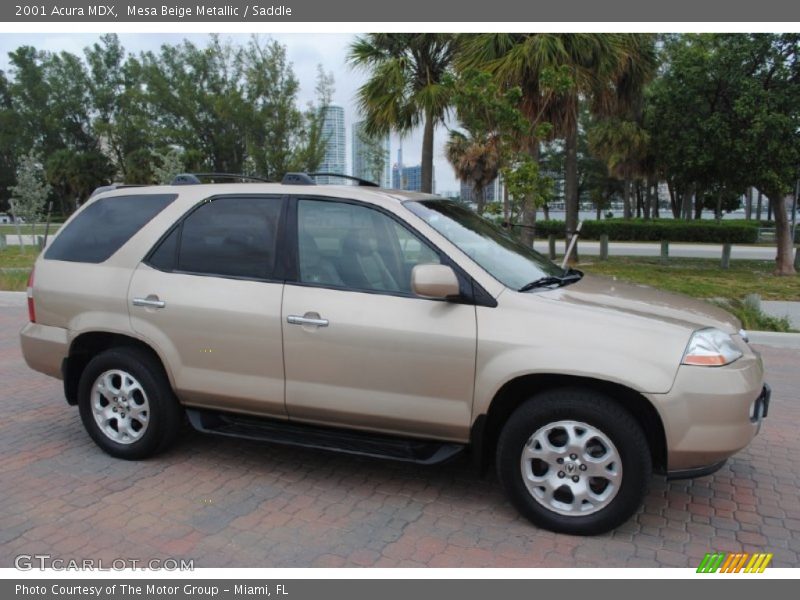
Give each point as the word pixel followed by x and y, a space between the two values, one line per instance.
pixel 233 503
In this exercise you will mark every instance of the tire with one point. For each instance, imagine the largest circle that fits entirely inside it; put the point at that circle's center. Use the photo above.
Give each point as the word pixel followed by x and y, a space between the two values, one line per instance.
pixel 605 466
pixel 127 405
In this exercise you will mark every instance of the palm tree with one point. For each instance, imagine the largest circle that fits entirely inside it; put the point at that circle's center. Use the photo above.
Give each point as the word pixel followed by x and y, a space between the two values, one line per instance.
pixel 476 160
pixel 554 72
pixel 406 85
pixel 623 145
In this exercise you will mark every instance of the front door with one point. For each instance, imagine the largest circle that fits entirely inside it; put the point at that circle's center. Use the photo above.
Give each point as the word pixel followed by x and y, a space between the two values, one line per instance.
pixel 360 349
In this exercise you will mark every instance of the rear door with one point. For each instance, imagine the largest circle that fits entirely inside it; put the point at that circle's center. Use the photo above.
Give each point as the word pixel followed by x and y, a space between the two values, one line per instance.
pixel 209 298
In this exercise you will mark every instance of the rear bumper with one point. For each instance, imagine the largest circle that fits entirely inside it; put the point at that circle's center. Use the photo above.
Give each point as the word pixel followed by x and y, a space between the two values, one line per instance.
pixel 712 413
pixel 44 348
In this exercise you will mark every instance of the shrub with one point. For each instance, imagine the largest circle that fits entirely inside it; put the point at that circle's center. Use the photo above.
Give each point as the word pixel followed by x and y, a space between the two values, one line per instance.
pixel 619 230
pixel 752 317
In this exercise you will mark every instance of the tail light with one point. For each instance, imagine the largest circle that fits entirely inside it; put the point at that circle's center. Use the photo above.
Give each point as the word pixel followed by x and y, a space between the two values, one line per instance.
pixel 31 307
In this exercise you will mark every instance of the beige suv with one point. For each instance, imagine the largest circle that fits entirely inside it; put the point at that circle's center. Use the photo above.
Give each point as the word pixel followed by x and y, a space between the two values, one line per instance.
pixel 388 324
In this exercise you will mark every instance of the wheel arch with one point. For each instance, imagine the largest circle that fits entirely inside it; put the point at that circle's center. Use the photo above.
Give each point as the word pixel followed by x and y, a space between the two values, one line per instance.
pixel 486 427
pixel 90 343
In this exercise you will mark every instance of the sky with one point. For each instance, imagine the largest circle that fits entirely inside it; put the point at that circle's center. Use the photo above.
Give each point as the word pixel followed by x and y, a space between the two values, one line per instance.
pixel 305 51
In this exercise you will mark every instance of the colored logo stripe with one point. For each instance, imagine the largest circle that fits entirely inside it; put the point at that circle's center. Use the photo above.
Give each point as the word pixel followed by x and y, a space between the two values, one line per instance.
pixel 734 562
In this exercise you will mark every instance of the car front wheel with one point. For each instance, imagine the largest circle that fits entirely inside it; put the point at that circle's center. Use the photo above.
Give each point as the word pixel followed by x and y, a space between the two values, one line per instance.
pixel 574 461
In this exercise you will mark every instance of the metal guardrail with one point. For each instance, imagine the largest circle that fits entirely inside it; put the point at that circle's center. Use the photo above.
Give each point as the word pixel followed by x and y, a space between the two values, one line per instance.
pixel 767 234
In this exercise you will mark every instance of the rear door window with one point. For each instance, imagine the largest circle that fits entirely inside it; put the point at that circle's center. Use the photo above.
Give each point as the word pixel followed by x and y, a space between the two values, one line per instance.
pixel 105 226
pixel 226 237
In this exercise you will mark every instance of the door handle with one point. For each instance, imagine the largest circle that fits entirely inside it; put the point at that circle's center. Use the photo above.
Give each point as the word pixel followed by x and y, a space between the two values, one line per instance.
pixel 150 302
pixel 307 319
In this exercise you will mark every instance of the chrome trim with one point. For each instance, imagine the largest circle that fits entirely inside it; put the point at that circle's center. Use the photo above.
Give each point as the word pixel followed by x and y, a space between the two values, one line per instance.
pixel 295 320
pixel 149 302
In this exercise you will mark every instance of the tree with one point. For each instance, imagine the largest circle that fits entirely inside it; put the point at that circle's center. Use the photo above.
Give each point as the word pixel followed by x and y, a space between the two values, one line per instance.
pixel 407 72
pixel 270 91
pixel 374 153
pixel 309 151
pixel 168 164
pixel 725 115
pixel 118 104
pixel 528 189
pixel 551 70
pixel 623 146
pixel 9 142
pixel 770 104
pixel 75 175
pixel 476 160
pixel 29 193
pixel 195 98
pixel 493 126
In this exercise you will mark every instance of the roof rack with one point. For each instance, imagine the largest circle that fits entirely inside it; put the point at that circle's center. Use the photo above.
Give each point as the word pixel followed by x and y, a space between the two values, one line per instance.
pixel 308 179
pixel 112 187
pixel 361 182
pixel 297 179
pixel 194 178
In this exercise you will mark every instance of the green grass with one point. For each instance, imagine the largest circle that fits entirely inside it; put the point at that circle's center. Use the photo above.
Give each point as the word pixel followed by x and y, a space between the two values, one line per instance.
pixel 6 229
pixel 12 258
pixel 13 281
pixel 752 317
pixel 700 277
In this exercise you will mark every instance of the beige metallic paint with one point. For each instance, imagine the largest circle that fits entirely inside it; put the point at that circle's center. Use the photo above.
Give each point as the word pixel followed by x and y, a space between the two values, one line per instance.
pixel 434 281
pixel 389 363
pixel 221 338
pixel 393 364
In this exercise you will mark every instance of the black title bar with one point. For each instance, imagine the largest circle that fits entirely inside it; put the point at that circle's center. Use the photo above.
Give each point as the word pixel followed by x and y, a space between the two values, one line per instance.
pixel 441 11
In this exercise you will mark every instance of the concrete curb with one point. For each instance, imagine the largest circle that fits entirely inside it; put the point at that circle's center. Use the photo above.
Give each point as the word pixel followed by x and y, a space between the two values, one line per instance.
pixel 13 298
pixel 773 338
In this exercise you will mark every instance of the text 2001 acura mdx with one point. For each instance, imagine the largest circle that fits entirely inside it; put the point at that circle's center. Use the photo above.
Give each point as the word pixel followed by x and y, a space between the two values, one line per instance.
pixel 384 323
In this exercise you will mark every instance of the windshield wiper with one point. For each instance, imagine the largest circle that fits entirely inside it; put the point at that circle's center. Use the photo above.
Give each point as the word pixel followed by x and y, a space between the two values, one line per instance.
pixel 571 276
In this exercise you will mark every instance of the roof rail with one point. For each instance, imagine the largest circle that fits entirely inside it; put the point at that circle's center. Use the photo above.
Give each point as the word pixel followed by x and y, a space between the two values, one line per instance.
pixel 297 179
pixel 112 187
pixel 195 178
pixel 361 182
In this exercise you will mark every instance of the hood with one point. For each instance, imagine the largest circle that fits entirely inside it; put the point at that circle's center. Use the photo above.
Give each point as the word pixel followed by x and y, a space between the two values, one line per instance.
pixel 644 301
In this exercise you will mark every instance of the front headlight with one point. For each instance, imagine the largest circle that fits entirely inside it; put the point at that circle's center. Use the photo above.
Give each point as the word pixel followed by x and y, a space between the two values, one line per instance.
pixel 710 348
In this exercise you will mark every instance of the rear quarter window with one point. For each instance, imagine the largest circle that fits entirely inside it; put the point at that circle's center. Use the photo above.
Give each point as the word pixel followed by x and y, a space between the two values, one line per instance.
pixel 105 226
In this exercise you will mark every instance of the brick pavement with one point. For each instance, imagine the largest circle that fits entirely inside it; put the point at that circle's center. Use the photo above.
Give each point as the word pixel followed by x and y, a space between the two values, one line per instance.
pixel 227 503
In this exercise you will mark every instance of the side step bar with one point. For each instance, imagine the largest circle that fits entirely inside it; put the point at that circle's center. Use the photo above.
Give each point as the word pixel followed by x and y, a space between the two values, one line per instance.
pixel 347 441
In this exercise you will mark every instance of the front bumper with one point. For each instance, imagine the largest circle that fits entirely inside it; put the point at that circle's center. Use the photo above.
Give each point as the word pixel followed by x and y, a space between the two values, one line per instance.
pixel 712 413
pixel 759 413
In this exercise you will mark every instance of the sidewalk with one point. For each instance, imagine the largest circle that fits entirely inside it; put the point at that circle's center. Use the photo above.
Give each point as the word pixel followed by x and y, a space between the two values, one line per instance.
pixel 791 310
pixel 677 250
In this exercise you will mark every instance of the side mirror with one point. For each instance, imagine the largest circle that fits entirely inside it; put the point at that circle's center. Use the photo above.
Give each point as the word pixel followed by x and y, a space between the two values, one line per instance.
pixel 434 281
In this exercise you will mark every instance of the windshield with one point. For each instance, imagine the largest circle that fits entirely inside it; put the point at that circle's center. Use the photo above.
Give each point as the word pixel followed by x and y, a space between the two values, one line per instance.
pixel 506 259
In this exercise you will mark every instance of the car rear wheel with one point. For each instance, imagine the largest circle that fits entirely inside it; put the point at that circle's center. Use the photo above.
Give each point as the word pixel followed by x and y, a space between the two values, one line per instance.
pixel 574 461
pixel 127 405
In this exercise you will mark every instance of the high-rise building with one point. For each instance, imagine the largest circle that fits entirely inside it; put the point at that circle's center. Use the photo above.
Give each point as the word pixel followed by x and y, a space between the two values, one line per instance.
pixel 335 144
pixel 411 178
pixel 362 161
pixel 491 193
